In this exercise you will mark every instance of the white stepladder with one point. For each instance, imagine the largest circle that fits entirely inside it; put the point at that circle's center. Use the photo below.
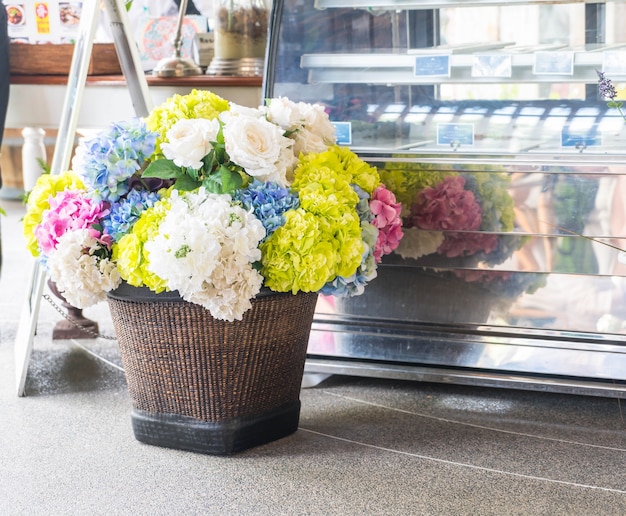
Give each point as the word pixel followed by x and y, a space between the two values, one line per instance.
pixel 137 84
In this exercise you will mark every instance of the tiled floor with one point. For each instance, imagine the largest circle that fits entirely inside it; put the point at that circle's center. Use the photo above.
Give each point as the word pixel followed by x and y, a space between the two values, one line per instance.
pixel 364 446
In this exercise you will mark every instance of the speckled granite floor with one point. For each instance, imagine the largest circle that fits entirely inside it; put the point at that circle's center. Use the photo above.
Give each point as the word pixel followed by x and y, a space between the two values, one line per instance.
pixel 364 446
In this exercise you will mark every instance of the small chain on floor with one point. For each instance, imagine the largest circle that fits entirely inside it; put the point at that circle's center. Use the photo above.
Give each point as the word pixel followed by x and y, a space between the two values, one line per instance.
pixel 72 321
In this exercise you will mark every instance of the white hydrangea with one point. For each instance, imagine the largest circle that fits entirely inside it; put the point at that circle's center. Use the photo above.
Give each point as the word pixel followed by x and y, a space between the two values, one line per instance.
pixel 205 250
pixel 82 278
pixel 417 243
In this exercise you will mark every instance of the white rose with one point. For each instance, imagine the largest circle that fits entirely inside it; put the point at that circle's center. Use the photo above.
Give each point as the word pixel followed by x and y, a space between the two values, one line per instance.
pixel 285 113
pixel 307 141
pixel 316 132
pixel 189 140
pixel 255 144
pixel 282 171
pixel 317 122
pixel 236 109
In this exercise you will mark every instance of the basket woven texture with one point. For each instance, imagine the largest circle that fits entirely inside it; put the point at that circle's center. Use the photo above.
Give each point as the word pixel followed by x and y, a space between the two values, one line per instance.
pixel 180 360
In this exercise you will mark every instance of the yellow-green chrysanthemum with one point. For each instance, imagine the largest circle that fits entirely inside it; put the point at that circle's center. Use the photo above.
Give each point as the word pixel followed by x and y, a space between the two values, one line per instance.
pixel 361 173
pixel 298 256
pixel 130 254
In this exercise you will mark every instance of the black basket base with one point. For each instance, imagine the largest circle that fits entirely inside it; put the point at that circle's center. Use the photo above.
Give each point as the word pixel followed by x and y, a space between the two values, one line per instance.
pixel 215 438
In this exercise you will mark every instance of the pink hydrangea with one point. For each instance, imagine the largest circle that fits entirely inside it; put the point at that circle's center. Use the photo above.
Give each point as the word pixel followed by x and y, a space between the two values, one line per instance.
pixel 447 206
pixel 387 219
pixel 69 211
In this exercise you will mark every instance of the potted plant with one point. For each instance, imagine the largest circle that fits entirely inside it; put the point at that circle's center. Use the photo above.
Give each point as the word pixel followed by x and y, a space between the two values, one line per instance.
pixel 210 228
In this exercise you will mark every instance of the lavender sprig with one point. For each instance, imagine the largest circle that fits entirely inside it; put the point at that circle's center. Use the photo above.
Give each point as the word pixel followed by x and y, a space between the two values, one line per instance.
pixel 608 92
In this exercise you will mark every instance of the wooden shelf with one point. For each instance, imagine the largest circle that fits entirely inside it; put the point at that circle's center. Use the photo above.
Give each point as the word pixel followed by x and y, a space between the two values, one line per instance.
pixel 198 81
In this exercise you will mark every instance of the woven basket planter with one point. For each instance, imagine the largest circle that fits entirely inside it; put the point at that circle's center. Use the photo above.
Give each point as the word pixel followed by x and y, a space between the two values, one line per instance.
pixel 210 386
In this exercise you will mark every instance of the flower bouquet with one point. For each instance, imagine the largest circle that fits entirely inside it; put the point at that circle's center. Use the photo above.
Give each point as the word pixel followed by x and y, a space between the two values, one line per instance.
pixel 211 228
pixel 215 201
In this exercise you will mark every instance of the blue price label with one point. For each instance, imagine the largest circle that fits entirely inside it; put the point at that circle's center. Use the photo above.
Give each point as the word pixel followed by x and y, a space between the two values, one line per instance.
pixel 432 66
pixel 343 133
pixel 455 134
pixel 579 139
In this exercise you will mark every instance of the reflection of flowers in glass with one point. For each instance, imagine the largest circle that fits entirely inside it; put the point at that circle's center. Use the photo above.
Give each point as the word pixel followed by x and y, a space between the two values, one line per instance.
pixel 215 201
pixel 447 206
pixel 454 214
pixel 505 284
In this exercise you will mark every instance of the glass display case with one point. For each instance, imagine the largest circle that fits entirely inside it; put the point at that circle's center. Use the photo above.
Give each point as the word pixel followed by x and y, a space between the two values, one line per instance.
pixel 484 119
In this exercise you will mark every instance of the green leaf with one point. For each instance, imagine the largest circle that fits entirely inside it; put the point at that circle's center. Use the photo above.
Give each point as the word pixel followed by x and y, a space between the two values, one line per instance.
pixel 231 180
pixel 44 166
pixel 220 136
pixel 192 173
pixel 209 162
pixel 212 184
pixel 186 183
pixel 163 169
pixel 223 180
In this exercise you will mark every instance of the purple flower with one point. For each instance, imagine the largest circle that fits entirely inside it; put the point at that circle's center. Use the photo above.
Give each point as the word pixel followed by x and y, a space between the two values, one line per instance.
pixel 607 90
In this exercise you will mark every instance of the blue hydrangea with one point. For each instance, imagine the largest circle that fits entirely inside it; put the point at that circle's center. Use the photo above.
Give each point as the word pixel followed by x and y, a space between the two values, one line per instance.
pixel 124 213
pixel 363 206
pixel 269 202
pixel 107 161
